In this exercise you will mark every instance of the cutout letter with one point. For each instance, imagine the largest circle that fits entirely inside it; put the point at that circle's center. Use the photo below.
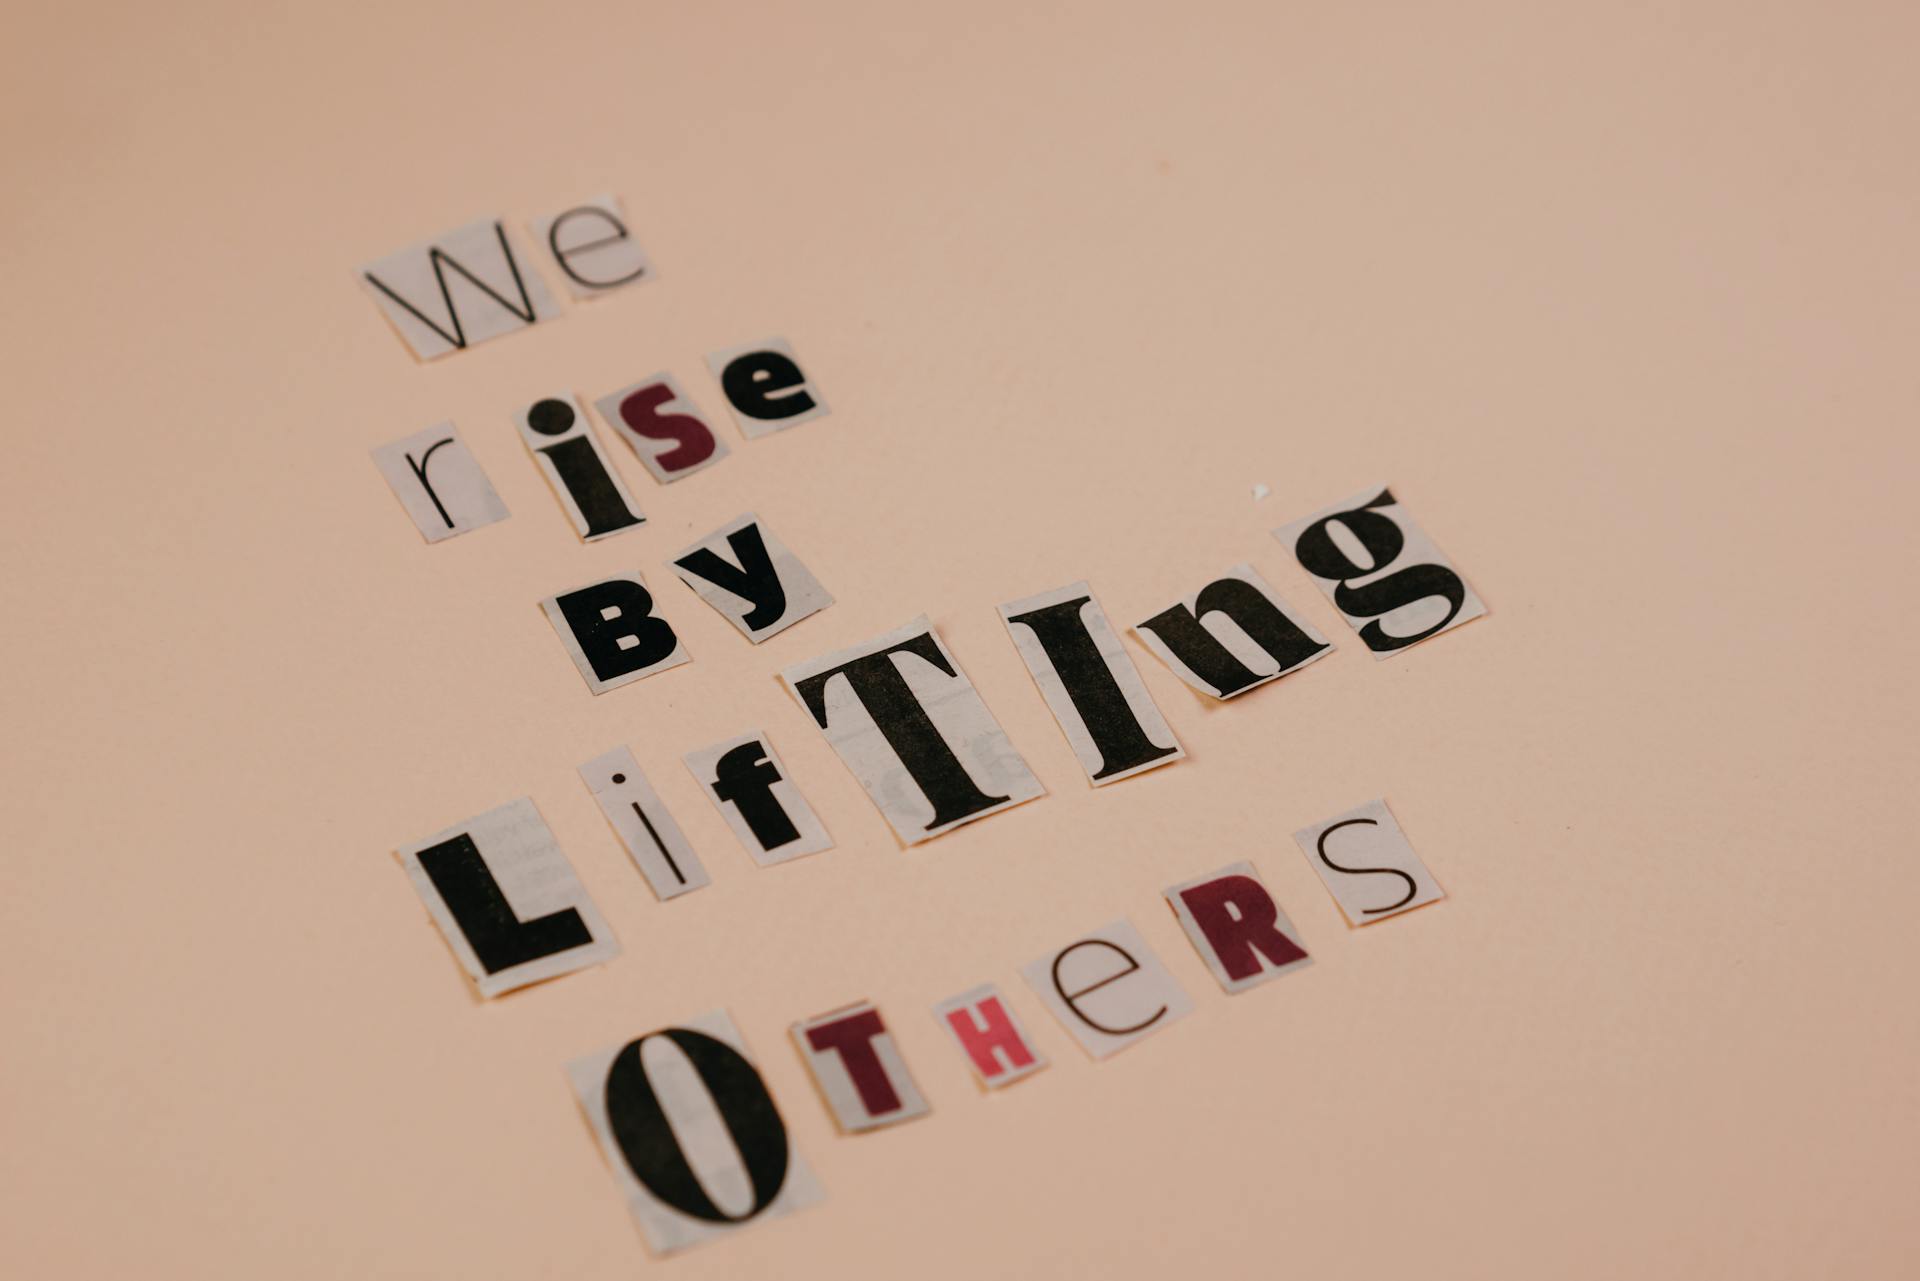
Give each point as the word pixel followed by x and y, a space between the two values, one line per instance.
pixel 1382 572
pixel 992 1037
pixel 1367 864
pixel 654 841
pixel 592 247
pixel 439 483
pixel 765 387
pixel 1231 636
pixel 507 901
pixel 1108 989
pixel 859 1069
pixel 1237 928
pixel 749 784
pixel 593 496
pixel 612 633
pixel 909 725
pixel 662 428
pixel 747 574
pixel 1091 686
pixel 691 1133
pixel 458 289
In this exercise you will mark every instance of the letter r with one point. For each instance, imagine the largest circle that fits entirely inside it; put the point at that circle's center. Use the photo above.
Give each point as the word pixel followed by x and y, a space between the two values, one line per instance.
pixel 1239 919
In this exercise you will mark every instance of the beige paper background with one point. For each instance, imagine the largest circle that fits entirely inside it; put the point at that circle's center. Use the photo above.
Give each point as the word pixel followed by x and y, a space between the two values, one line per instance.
pixel 1623 303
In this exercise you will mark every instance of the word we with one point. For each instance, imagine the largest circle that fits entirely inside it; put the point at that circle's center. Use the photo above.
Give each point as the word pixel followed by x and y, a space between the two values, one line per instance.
pixel 468 285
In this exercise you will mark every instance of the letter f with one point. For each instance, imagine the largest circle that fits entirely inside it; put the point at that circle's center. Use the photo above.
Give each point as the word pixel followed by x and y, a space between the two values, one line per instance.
pixel 745 777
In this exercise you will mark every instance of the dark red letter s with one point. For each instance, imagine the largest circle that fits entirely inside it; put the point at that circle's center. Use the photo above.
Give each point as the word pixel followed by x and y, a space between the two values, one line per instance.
pixel 641 413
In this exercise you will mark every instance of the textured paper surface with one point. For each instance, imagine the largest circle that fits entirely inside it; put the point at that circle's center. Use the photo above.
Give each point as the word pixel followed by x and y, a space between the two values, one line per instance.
pixel 1382 572
pixel 1367 864
pixel 745 546
pixel 873 1058
pixel 1108 989
pixel 459 289
pixel 710 1148
pixel 982 1011
pixel 1135 721
pixel 758 787
pixel 535 880
pixel 639 817
pixel 935 693
pixel 1255 665
pixel 667 445
pixel 592 247
pixel 439 483
pixel 1262 965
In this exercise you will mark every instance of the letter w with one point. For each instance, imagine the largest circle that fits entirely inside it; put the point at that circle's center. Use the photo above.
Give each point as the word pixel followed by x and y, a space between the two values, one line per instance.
pixel 442 262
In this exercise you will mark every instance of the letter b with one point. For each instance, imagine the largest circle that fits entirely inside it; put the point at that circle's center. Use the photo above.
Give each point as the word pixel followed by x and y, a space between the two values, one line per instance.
pixel 612 632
